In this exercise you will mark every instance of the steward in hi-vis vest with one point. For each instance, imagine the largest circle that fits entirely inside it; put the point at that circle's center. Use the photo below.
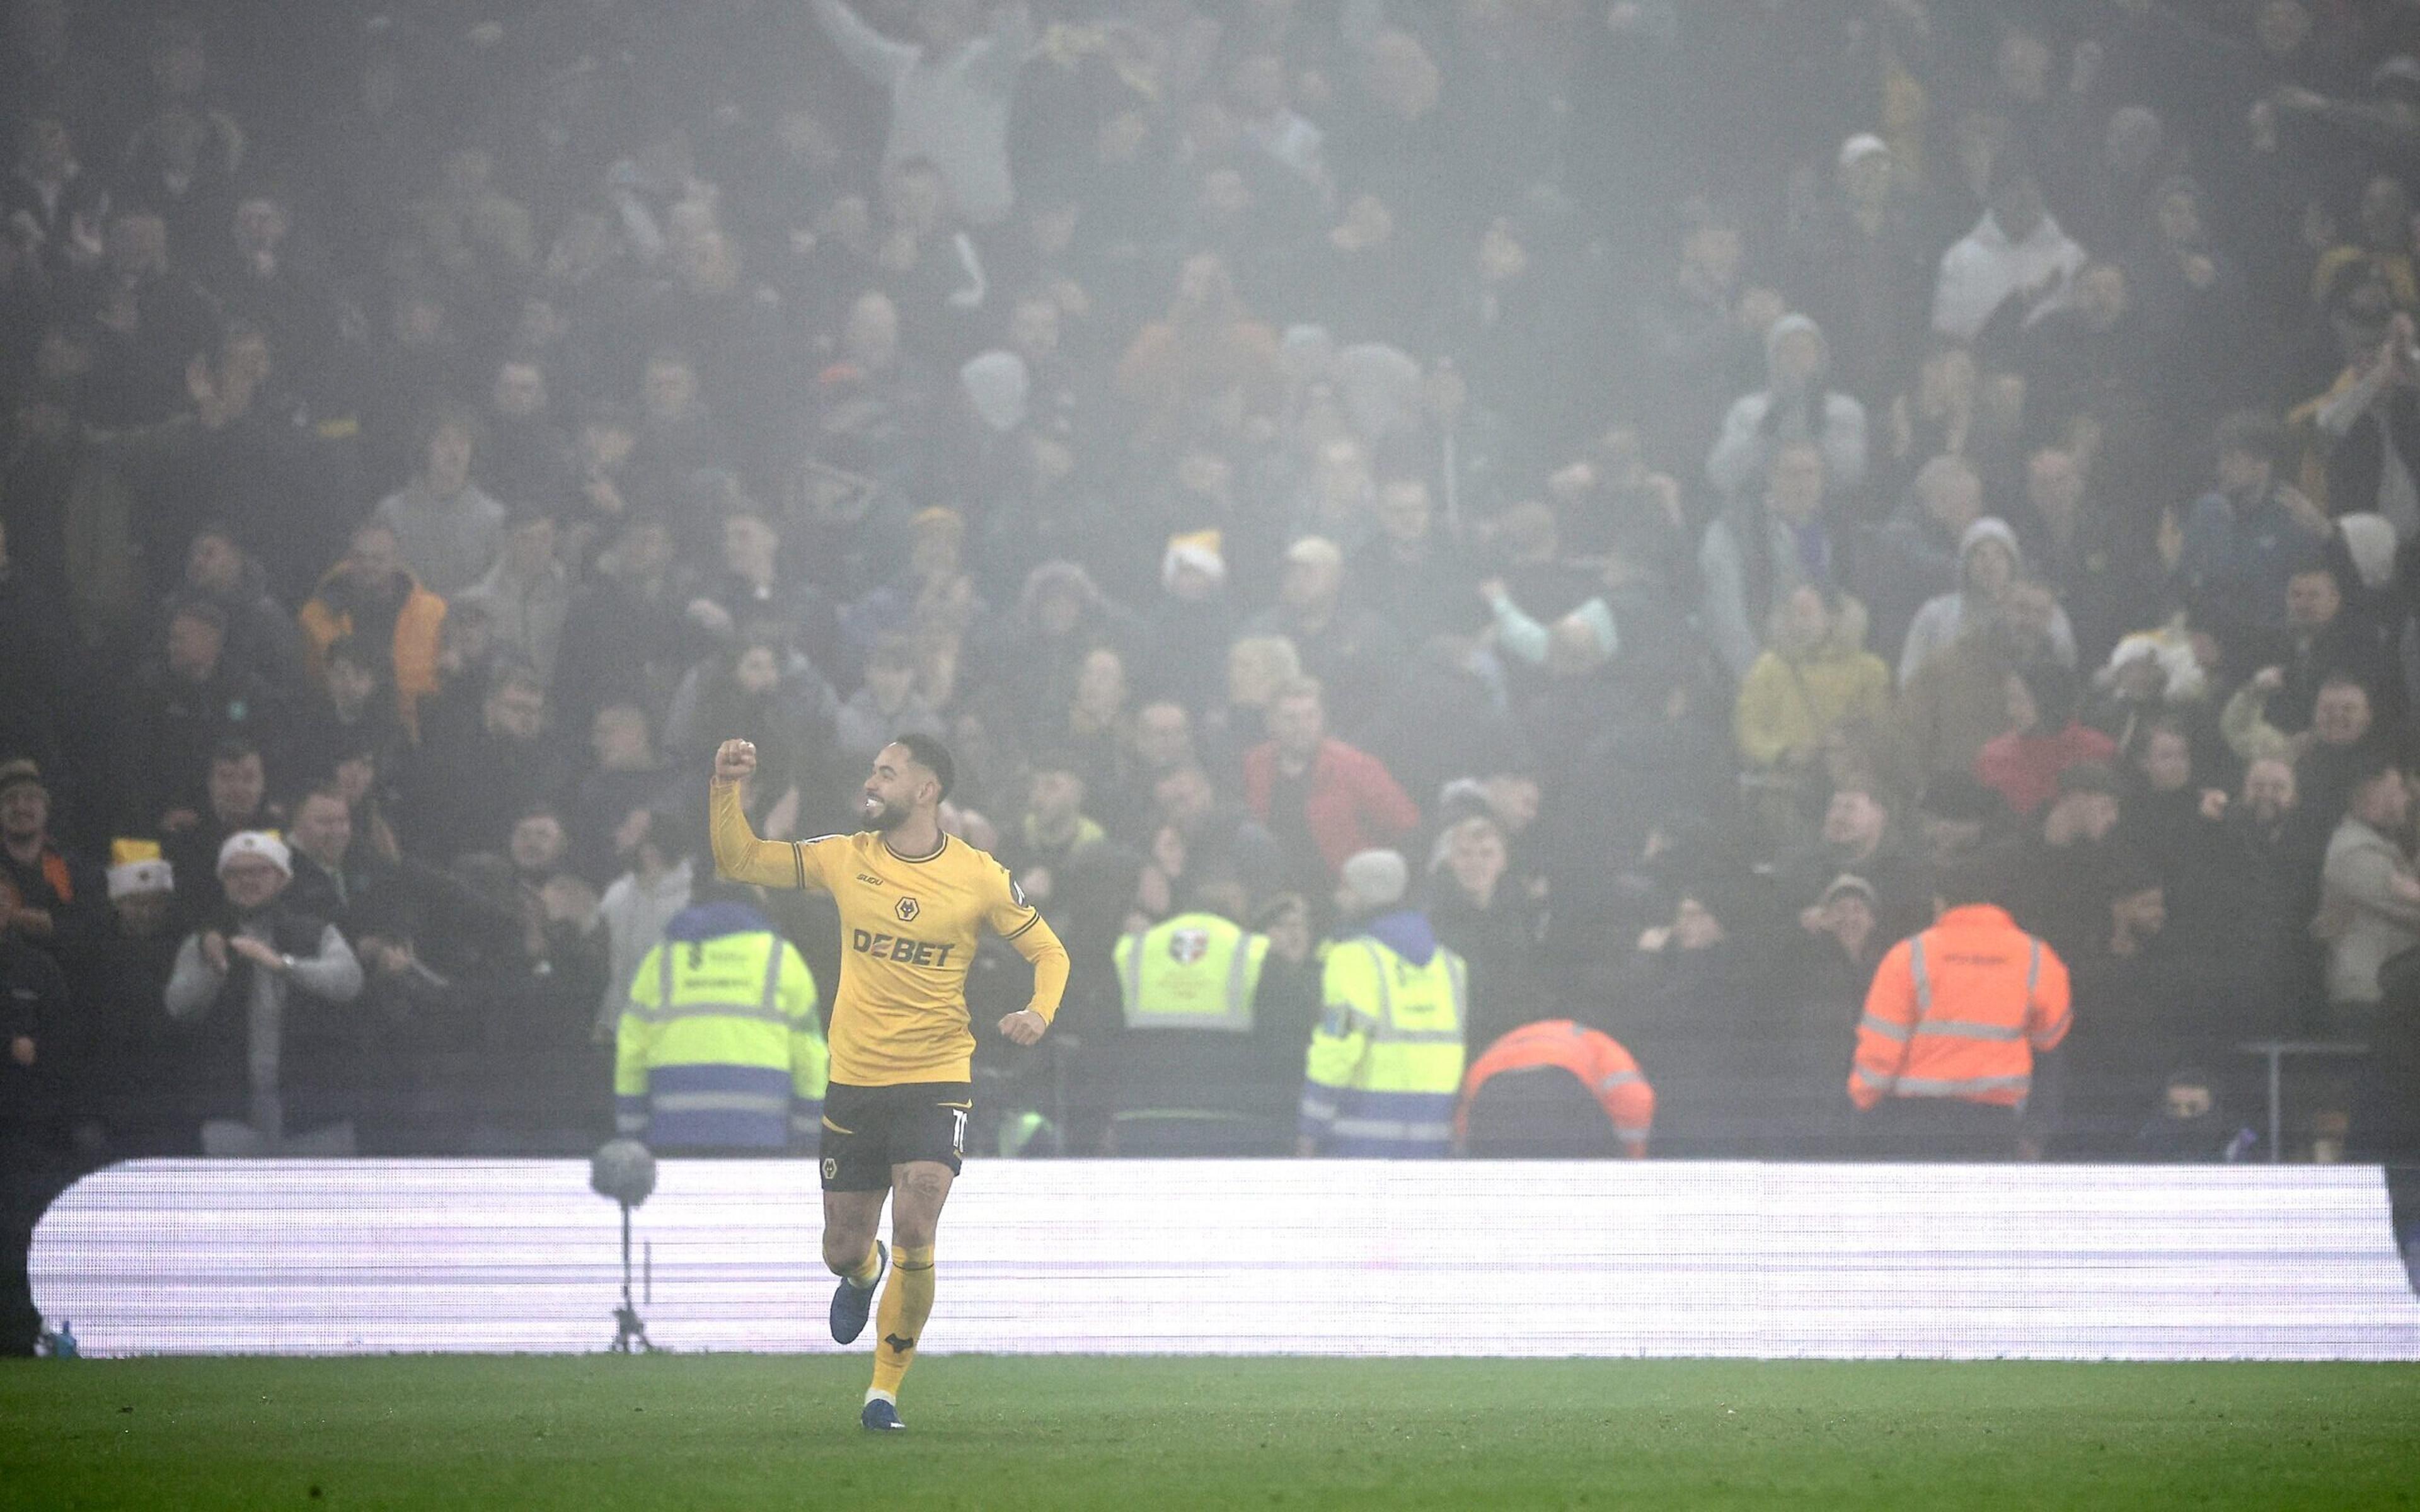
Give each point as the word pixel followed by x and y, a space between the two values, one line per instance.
pixel 721 1047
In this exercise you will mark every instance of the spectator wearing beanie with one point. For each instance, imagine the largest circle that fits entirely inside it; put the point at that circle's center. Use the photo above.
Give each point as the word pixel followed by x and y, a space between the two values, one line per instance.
pixel 48 895
pixel 263 987
pixel 1989 563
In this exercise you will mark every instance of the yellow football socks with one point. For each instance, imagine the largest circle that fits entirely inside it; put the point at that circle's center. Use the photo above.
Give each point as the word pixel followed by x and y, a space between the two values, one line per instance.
pixel 867 1268
pixel 906 1302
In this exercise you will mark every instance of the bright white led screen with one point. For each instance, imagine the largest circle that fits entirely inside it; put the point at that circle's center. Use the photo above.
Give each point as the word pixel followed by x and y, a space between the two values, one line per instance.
pixel 1260 1258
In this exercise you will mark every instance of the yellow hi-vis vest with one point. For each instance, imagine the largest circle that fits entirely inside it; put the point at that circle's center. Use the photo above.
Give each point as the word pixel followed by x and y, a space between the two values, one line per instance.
pixel 1386 1062
pixel 720 1046
pixel 1196 971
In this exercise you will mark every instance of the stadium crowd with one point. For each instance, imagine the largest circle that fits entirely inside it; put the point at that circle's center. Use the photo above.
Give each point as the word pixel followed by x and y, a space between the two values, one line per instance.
pixel 1678 474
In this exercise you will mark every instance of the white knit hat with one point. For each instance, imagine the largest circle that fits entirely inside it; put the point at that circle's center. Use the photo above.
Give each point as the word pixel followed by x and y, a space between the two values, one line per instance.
pixel 131 877
pixel 1376 879
pixel 258 843
pixel 1863 144
pixel 1199 550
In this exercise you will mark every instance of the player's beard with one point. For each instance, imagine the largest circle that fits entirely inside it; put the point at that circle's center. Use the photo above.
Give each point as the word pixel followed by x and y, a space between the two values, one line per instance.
pixel 881 817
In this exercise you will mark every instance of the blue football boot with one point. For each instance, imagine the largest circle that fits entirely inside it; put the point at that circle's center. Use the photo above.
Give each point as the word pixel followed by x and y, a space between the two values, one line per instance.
pixel 852 1305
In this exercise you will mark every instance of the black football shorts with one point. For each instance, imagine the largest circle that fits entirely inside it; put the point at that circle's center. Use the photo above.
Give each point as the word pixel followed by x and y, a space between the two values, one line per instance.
pixel 868 1130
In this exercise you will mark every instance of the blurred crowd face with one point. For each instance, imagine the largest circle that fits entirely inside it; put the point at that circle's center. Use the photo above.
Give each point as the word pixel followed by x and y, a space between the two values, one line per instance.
pixel 2341 715
pixel 1953 496
pixel 1865 179
pixel 2017 205
pixel 1298 724
pixel 2054 485
pixel 536 844
pixel 1055 798
pixel 643 553
pixel 2383 803
pixel 871 335
pixel 2281 27
pixel 1794 484
pixel 260 227
pixel 2085 816
pixel 2141 914
pixel 1513 799
pixel 2101 295
pixel 1797 358
pixel 1848 917
pixel 252 883
pixel 618 738
pixel 756 671
pixel 2269 792
pixel 1101 684
pixel 1310 587
pixel 1058 611
pixel 1476 856
pixel 1853 822
pixel 2026 614
pixel 213 564
pixel 1251 672
pixel 1184 797
pixel 144 916
pixel 520 391
pixel 1695 926
pixel 750 546
pixel 2167 761
pixel 517 712
pixel 2312 600
pixel 25 812
pixel 1404 512
pixel 670 390
pixel 447 464
pixel 193 647
pixel 891 679
pixel 1991 567
pixel 235 787
pixel 136 245
pixel 322 829
pixel 2242 472
pixel 1805 621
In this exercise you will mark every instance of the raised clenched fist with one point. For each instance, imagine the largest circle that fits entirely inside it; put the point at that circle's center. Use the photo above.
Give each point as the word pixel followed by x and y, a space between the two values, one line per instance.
pixel 735 760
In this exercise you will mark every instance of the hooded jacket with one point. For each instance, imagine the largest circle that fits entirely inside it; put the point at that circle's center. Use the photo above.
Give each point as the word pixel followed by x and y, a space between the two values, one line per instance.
pixel 1985 268
pixel 1945 616
pixel 1790 698
pixel 1760 421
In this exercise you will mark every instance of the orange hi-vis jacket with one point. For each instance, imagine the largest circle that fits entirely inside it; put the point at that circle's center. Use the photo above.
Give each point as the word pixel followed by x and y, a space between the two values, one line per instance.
pixel 1598 1059
pixel 1957 1010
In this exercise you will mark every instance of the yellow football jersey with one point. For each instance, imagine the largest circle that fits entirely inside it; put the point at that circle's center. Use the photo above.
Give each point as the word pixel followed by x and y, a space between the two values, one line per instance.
pixel 907 935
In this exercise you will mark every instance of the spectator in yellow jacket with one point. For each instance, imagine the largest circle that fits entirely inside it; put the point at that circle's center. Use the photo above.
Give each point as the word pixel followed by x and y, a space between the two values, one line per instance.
pixel 1814 675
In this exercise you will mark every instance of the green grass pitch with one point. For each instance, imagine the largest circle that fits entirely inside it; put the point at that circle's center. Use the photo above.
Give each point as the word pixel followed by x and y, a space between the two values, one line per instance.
pixel 759 1432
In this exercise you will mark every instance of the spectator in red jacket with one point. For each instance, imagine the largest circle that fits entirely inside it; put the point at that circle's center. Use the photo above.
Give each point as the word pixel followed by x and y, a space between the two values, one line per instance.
pixel 2044 740
pixel 1321 799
